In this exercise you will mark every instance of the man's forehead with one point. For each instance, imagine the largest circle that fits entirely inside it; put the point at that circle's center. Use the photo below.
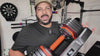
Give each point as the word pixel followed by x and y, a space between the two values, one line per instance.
pixel 40 4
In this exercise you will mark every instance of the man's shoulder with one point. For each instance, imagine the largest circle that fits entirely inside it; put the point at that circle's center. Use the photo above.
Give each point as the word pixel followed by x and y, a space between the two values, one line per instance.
pixel 31 26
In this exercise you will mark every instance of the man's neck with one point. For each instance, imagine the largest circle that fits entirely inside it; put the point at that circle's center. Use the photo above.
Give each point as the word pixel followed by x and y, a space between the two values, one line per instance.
pixel 47 26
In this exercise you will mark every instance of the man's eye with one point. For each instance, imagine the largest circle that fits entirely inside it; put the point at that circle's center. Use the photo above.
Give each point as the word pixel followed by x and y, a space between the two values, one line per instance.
pixel 48 8
pixel 39 9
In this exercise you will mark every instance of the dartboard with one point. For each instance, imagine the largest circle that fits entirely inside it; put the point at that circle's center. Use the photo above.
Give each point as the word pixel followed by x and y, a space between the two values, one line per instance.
pixel 9 11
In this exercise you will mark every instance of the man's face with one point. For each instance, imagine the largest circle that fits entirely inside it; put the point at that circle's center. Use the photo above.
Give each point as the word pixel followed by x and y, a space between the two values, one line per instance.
pixel 44 13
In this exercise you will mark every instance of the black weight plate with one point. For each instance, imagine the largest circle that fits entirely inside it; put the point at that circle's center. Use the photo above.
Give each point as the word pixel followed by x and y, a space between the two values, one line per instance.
pixel 9 11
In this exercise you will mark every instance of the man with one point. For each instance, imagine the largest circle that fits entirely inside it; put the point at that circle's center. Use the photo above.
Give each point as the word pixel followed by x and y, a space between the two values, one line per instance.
pixel 44 32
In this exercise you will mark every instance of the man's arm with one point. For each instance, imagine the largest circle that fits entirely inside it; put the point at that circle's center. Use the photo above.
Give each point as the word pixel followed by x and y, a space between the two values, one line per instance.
pixel 15 53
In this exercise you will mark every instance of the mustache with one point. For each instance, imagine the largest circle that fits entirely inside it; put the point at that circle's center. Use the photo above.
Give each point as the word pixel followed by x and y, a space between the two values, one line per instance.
pixel 44 15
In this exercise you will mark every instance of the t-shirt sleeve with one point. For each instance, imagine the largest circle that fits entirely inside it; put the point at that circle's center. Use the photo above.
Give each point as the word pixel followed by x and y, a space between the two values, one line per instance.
pixel 21 41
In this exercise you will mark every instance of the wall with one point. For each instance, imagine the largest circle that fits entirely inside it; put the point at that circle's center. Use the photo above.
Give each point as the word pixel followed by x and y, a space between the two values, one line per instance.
pixel 91 17
pixel 23 7
pixel 93 21
pixel 6 31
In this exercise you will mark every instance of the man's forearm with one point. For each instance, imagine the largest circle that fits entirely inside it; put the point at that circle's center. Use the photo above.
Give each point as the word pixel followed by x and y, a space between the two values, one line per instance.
pixel 15 53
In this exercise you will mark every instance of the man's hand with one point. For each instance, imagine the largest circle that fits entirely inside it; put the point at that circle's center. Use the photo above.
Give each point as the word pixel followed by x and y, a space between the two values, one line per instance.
pixel 15 53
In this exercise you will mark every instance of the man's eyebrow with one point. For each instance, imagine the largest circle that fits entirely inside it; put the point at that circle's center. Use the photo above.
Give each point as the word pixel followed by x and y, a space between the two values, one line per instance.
pixel 38 7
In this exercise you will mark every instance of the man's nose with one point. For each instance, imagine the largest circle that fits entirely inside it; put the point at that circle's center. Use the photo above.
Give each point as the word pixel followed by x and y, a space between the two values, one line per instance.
pixel 44 11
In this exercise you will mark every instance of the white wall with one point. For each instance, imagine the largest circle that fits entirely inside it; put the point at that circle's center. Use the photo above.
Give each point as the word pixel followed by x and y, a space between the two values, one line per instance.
pixel 6 31
pixel 73 10
pixel 93 21
pixel 23 7
pixel 91 17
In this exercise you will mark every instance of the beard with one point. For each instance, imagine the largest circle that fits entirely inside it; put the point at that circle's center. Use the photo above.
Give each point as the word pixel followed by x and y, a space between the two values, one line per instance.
pixel 41 22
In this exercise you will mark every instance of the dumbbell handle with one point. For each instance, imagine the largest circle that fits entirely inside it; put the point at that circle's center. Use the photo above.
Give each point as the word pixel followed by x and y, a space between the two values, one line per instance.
pixel 46 51
pixel 57 42
pixel 52 47
pixel 60 39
